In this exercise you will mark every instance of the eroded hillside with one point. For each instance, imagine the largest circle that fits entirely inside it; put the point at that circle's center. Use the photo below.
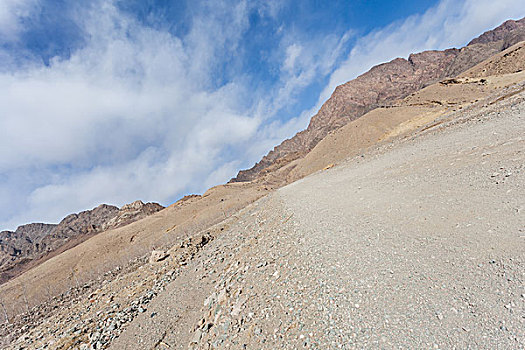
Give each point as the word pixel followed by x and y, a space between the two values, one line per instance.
pixel 408 232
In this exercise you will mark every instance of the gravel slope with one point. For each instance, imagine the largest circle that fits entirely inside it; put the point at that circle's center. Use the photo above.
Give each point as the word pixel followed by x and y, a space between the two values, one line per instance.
pixel 418 244
pixel 419 247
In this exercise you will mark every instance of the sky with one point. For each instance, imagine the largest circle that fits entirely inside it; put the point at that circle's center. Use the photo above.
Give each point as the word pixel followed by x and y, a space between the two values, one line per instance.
pixel 109 101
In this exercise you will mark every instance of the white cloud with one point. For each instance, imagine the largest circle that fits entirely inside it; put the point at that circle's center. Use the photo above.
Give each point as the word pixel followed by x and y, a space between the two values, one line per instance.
pixel 138 113
pixel 292 53
pixel 134 113
pixel 303 61
pixel 12 12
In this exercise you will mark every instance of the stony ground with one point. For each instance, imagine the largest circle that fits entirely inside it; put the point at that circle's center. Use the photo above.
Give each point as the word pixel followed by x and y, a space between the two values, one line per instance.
pixel 419 243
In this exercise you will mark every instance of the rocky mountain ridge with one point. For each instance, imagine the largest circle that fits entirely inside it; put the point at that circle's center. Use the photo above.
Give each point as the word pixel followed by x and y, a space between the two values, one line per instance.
pixel 382 85
pixel 418 200
pixel 28 244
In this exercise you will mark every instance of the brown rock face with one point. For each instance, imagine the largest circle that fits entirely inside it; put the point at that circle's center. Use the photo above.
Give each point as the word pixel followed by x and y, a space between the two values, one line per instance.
pixel 34 241
pixel 506 32
pixel 83 223
pixel 132 212
pixel 25 240
pixel 382 85
pixel 31 244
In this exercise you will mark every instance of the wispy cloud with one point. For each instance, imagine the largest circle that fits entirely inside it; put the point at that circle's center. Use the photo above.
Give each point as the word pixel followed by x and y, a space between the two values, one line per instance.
pixel 12 13
pixel 138 112
pixel 132 114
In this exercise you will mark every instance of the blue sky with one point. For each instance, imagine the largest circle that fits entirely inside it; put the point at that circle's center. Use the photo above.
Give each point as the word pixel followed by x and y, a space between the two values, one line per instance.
pixel 107 101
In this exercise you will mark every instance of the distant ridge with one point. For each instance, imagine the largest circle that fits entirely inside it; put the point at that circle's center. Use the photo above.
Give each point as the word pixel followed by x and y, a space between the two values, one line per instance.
pixel 381 85
pixel 32 244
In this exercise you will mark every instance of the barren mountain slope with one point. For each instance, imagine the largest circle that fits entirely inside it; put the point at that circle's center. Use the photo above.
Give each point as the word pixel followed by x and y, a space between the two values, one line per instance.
pixel 272 273
pixel 23 241
pixel 511 60
pixel 32 244
pixel 117 247
pixel 383 84
pixel 130 213
pixel 417 245
pixel 27 251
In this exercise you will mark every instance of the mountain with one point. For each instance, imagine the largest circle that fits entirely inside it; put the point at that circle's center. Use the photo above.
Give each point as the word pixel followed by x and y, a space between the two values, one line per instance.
pixel 430 105
pixel 406 233
pixel 382 85
pixel 34 243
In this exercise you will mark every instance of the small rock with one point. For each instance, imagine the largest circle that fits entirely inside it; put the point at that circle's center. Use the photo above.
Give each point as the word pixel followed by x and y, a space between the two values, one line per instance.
pixel 196 337
pixel 157 256
pixel 209 299
pixel 222 297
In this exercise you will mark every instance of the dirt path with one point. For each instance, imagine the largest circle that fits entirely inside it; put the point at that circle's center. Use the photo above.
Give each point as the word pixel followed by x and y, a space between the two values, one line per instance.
pixel 415 245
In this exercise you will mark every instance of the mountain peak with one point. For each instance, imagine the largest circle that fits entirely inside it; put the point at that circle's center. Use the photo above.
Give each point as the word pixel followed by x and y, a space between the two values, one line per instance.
pixel 508 28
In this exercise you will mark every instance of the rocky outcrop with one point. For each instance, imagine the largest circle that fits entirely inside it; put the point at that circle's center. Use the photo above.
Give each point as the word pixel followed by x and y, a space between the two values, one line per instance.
pixel 157 255
pixel 130 213
pixel 74 225
pixel 31 244
pixel 382 85
pixel 22 242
